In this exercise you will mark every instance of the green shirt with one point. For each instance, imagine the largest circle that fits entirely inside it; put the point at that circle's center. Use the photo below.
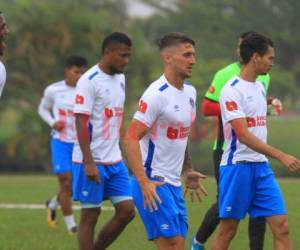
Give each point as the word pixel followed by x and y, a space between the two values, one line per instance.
pixel 214 91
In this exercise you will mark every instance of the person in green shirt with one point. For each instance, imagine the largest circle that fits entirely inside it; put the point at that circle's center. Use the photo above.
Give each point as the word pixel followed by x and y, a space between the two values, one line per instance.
pixel 211 107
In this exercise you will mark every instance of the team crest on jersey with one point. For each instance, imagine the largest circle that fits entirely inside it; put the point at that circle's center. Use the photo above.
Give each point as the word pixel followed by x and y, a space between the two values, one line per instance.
pixel 79 99
pixel 231 106
pixel 176 108
pixel 192 102
pixel 122 86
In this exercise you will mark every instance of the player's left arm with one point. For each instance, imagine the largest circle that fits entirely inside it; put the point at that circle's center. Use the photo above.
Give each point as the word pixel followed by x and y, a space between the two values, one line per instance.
pixel 192 178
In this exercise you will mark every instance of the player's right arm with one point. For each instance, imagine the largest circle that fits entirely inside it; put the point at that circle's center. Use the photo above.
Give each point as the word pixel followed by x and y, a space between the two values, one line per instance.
pixel 45 110
pixel 84 102
pixel 83 135
pixel 146 115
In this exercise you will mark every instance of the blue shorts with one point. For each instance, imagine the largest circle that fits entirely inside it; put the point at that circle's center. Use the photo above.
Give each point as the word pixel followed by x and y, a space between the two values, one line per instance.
pixel 249 187
pixel 170 219
pixel 114 185
pixel 61 153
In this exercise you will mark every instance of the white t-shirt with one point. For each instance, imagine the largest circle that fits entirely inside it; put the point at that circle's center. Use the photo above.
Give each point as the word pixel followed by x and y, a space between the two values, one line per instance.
pixel 168 112
pixel 239 99
pixel 2 77
pixel 101 96
pixel 57 105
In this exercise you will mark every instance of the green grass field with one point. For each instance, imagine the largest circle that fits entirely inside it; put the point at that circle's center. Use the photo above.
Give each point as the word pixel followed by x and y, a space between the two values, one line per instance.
pixel 25 229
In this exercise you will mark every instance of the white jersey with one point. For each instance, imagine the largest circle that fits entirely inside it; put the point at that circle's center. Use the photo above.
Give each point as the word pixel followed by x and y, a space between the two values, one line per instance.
pixel 168 112
pixel 242 99
pixel 2 77
pixel 102 97
pixel 56 105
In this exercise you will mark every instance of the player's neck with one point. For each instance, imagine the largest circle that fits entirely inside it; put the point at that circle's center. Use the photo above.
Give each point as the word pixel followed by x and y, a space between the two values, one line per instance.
pixel 174 79
pixel 105 68
pixel 248 73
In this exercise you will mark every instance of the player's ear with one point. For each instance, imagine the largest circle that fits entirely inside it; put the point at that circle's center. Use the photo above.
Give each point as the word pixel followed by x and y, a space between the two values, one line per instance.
pixel 256 57
pixel 166 56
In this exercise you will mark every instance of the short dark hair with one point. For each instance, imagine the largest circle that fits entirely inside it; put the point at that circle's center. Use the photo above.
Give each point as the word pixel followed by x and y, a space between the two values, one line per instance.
pixel 114 38
pixel 76 60
pixel 247 33
pixel 254 43
pixel 173 39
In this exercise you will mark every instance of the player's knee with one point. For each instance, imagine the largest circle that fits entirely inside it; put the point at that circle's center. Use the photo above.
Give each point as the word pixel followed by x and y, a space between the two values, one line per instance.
pixel 227 233
pixel 126 213
pixel 282 229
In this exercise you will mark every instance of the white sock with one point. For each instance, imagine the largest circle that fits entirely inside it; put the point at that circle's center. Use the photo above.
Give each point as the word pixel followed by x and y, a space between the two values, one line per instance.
pixel 70 221
pixel 53 203
pixel 197 242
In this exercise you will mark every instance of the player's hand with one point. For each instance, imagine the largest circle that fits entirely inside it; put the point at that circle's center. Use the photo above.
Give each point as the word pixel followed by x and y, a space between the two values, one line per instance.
pixel 92 172
pixel 290 162
pixel 149 194
pixel 274 107
pixel 59 125
pixel 193 185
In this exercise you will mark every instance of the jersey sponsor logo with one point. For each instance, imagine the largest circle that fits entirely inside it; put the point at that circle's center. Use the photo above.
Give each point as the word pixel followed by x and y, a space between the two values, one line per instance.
pixel 177 133
pixel 231 105
pixel 211 89
pixel 110 112
pixel 79 99
pixel 259 121
pixel 143 107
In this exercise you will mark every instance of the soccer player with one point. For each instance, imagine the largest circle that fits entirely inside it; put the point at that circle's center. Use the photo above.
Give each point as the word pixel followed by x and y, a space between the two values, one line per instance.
pixel 3 34
pixel 56 109
pixel 211 107
pixel 99 172
pixel 156 146
pixel 247 183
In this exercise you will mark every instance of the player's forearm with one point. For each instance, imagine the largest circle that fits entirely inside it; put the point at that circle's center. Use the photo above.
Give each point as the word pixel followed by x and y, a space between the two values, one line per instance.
pixel 134 159
pixel 210 108
pixel 187 163
pixel 259 146
pixel 46 115
pixel 83 136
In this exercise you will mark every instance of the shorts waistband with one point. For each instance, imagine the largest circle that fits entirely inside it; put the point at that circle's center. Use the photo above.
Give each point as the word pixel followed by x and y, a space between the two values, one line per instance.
pixel 250 162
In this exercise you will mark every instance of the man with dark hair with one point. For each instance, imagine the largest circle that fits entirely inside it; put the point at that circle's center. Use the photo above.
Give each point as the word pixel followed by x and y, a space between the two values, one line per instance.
pixel 56 109
pixel 247 183
pixel 99 172
pixel 211 107
pixel 156 146
pixel 3 34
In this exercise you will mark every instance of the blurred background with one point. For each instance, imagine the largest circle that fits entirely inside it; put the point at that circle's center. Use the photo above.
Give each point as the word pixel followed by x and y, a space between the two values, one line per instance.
pixel 43 33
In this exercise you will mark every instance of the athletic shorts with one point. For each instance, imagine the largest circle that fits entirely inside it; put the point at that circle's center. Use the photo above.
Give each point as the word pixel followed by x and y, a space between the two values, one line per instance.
pixel 249 187
pixel 171 217
pixel 114 185
pixel 61 153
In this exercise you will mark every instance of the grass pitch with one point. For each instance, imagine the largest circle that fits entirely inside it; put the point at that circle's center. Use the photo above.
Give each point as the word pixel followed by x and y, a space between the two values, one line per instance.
pixel 26 229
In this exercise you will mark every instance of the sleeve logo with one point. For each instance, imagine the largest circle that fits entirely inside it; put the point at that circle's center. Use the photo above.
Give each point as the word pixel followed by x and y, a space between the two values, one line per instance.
pixel 211 89
pixel 143 107
pixel 79 99
pixel 231 106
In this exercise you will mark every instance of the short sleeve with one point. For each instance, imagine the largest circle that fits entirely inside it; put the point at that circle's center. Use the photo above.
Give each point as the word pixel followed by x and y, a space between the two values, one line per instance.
pixel 150 107
pixel 2 77
pixel 231 104
pixel 84 98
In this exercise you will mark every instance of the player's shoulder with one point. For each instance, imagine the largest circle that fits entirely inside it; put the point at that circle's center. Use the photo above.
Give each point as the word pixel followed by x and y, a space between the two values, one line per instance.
pixel 232 85
pixel 2 66
pixel 56 86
